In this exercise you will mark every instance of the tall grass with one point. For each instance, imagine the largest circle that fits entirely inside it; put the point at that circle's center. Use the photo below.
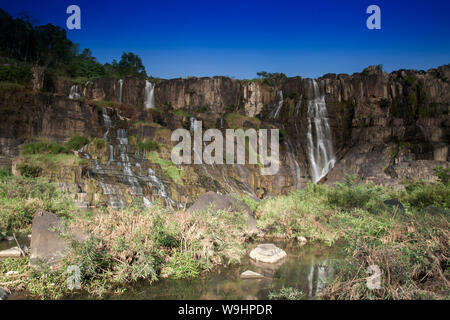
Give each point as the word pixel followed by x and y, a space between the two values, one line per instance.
pixel 411 247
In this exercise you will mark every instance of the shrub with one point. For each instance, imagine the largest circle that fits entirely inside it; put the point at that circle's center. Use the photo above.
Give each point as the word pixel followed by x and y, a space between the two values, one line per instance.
pixel 76 142
pixel 182 265
pixel 99 143
pixel 29 171
pixel 19 73
pixel 42 147
pixel 147 145
pixel 4 172
pixel 352 195
pixel 182 113
pixel 420 195
pixel 252 203
pixel 20 197
pixel 443 174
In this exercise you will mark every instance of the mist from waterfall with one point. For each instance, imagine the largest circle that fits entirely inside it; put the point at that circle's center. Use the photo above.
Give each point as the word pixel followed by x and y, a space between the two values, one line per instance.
pixel 320 144
pixel 149 98
pixel 120 90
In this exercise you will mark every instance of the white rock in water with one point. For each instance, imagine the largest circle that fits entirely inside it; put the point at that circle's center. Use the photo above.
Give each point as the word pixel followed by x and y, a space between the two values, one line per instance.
pixel 14 252
pixel 251 275
pixel 267 253
pixel 301 239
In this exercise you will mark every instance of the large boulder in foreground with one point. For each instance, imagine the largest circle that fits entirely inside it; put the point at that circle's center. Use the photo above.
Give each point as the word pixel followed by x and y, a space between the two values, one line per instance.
pixel 47 244
pixel 214 201
pixel 267 253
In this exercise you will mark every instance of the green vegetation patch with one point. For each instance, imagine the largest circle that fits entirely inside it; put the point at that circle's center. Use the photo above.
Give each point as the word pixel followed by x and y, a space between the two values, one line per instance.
pixel 15 73
pixel 21 196
pixel 169 168
pixel 237 121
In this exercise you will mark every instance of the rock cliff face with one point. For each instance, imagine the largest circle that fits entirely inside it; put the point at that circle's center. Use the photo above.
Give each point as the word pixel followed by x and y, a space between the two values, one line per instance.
pixel 381 127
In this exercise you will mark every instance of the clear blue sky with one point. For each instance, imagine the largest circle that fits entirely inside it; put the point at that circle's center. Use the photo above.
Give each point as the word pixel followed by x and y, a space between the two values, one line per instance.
pixel 179 38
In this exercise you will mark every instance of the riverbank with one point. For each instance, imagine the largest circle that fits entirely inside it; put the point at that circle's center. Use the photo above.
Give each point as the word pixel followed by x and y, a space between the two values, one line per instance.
pixel 409 243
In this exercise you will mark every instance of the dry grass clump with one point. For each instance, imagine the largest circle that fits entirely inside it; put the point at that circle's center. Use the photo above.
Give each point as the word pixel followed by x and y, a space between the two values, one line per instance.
pixel 149 243
pixel 412 257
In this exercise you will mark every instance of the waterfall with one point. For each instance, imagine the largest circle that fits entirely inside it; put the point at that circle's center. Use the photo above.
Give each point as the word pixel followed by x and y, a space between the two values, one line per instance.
pixel 277 110
pixel 320 143
pixel 112 191
pixel 120 90
pixel 129 176
pixel 124 168
pixel 293 160
pixel 74 92
pixel 159 187
pixel 149 97
pixel 122 136
pixel 298 106
pixel 106 119
pixel 192 124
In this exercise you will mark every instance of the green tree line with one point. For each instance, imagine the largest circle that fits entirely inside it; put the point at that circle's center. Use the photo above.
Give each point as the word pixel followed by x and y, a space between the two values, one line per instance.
pixel 22 43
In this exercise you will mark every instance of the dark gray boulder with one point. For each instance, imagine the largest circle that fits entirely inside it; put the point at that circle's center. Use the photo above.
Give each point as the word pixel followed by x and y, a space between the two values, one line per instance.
pixel 435 210
pixel 47 244
pixel 3 294
pixel 394 204
pixel 214 202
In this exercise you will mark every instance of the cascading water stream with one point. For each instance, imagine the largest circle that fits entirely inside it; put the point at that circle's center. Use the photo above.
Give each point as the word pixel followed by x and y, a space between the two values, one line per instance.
pixel 129 176
pixel 320 144
pixel 149 97
pixel 121 168
pixel 159 187
pixel 74 92
pixel 280 102
pixel 120 90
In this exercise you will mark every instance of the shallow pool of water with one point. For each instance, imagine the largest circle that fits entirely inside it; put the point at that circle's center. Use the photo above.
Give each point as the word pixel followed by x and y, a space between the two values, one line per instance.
pixel 23 240
pixel 306 267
